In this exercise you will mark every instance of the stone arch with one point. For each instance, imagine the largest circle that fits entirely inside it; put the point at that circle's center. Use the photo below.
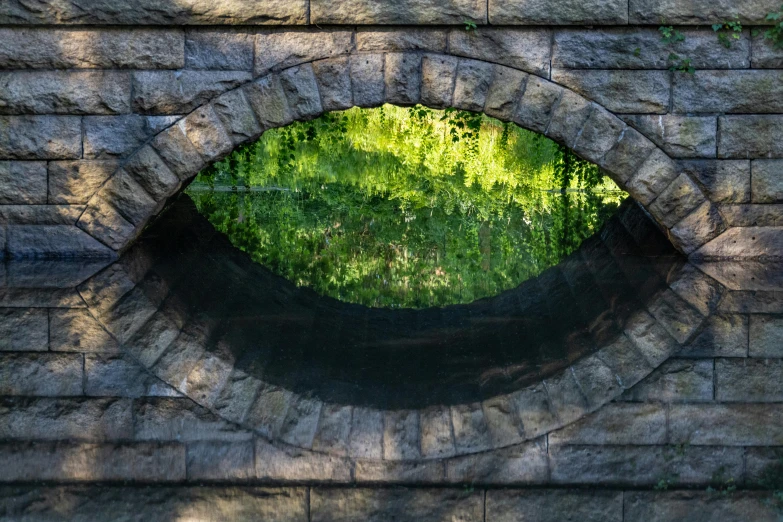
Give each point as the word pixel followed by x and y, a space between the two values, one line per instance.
pixel 140 188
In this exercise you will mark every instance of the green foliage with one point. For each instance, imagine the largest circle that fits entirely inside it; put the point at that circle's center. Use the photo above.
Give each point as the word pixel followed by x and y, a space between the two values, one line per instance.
pixel 670 35
pixel 775 33
pixel 772 479
pixel 405 207
pixel 728 31
pixel 680 64
pixel 470 25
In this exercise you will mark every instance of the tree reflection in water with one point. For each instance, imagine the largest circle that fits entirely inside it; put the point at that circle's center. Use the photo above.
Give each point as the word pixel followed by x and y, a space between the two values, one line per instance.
pixel 405 207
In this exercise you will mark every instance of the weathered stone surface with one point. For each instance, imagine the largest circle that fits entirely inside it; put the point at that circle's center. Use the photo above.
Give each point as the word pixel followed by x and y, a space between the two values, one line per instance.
pixel 643 48
pixel 74 182
pixel 752 215
pixel 128 197
pixel 292 464
pixel 437 439
pixel 178 152
pixel 182 355
pixel 752 302
pixel 629 153
pixel 505 424
pixel 747 242
pixel 401 435
pixel 701 226
pixel 471 85
pixel 205 131
pixel 696 286
pixel 723 181
pixel 506 89
pixel 524 49
pixel 650 338
pixel 626 362
pixel 723 336
pixel 269 410
pixel 422 12
pixel 38 297
pixel 676 380
pixel 237 116
pixel 750 136
pixel 366 434
pixel 766 336
pixel 380 39
pixel 208 376
pixel 168 92
pixel 438 74
pixel 554 506
pixel 334 428
pixel 367 80
pixel 403 505
pixel 334 83
pixel 761 465
pixel 107 137
pixel 403 78
pixel 654 175
pixel 152 173
pixel 52 241
pixel 568 118
pixel 301 91
pixel 105 223
pixel 57 275
pixel 118 375
pixel 399 472
pixel 280 49
pixel 765 55
pixel 471 430
pixel 728 92
pixel 740 274
pixel 767 181
pixel 22 182
pixel 635 92
pixel 698 506
pixel 679 136
pixel 599 135
pixel 151 12
pixel 698 12
pixel 220 460
pixel 677 201
pixel 57 48
pixel 219 49
pixel 40 137
pixel 596 380
pixel 749 380
pixel 40 374
pixel 566 399
pixel 163 419
pixel 616 424
pixel 268 100
pixel 676 315
pixel 570 12
pixel 66 461
pixel 534 410
pixel 72 419
pixel 522 464
pixel 301 422
pixel 152 339
pixel 235 399
pixel 537 104
pixel 726 424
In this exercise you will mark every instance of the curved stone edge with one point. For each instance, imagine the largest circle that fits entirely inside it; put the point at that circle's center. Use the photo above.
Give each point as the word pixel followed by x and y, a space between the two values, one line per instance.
pixel 157 332
pixel 139 189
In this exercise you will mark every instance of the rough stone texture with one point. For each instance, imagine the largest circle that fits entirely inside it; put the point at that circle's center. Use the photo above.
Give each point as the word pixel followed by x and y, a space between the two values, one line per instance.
pixel 616 424
pixel 41 374
pixel 56 48
pixel 699 507
pixel 723 336
pixel 522 464
pixel 424 12
pixel 107 137
pixel 767 181
pixel 599 135
pixel 205 131
pixel 471 430
pixel 367 80
pixel 117 375
pixel 74 182
pixel 766 336
pixel 52 242
pixel 286 463
pixel 568 118
pixel 702 225
pixel 334 428
pixel 300 423
pixel 504 93
pixel 679 136
pixel 505 424
pixel 570 12
pixel 40 214
pixel 723 181
pixel 437 80
pixel 554 505
pixel 653 176
pixel 401 435
pixel 437 439
pixel 676 201
pixel 168 92
pixel 105 223
pixel 537 104
pixel 334 83
pixel 750 136
pixel 128 197
pixel 628 154
pixel 748 242
pixel 390 472
pixel 650 338
pixel 676 380
pixel 151 172
pixel 524 49
pixel 471 85
pixel 566 399
pixel 403 78
pixel 220 461
pixel 379 39
pixel 268 100
pixel 301 91
pixel 280 49
pixel 749 380
pixel 181 420
pixel 237 116
pixel 726 425
pixel 40 137
pixel 728 92
pixel 752 215
pixel 216 49
pixel 635 92
pixel 378 505
pixel 178 152
pixel 22 182
pixel 765 55
pixel 699 12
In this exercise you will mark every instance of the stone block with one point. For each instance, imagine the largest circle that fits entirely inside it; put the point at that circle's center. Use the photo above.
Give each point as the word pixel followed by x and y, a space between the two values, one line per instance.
pixel 566 399
pixel 765 55
pixel 205 131
pixel 151 12
pixel 699 12
pixel 220 460
pixel 534 410
pixel 301 91
pixel 597 381
pixel 268 100
pixel 399 472
pixel 678 317
pixel 208 376
pixel 471 429
pixel 168 92
pixel 151 340
pixel 22 182
pixel 752 302
pixel 679 136
pixel 471 85
pixel 698 506
pixel 723 181
pixel 391 39
pixel 767 181
pixel 74 182
pixel 237 116
pixel 619 424
pixel 269 410
pixel 747 242
pixel 38 297
pixel 750 136
pixel 702 225
pixel 182 355
pixel 40 214
pixel 127 196
pixel 219 49
pixel 105 223
pixel 149 170
pixel 107 137
pixel 424 12
pixel 650 338
pixel 275 463
pixel 504 94
pixel 366 440
pixel 65 419
pixel 766 336
pixel 599 135
pixel 749 380
pixel 527 50
pixel 678 200
pixel 53 242
pixel 235 399
pixel 438 74
pixel 630 92
pixel 523 464
pixel 401 435
pixel 280 49
pixel 761 465
pixel 726 424
pixel 404 505
pixel 437 439
pixel 728 92
pixel 656 173
pixel 538 102
pixel 60 48
pixel 41 374
pixel 40 137
pixel 626 362
pixel 752 215
pixel 334 83
pixel 163 419
pixel 84 462
pixel 643 48
pixel 504 421
pixel 570 12
pixel 724 335
pixel 178 152
pixel 301 422
pixel 118 375
pixel 676 380
pixel 367 80
pixel 568 118
pixel 743 274
pixel 334 429
pixel 403 78
pixel 554 505
pixel 629 153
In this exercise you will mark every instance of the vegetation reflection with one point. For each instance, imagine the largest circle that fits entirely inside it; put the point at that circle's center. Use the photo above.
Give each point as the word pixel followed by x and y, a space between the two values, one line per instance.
pixel 405 207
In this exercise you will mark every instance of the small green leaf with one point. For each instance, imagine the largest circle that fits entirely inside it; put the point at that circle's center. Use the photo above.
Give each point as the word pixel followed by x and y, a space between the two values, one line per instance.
pixel 717 27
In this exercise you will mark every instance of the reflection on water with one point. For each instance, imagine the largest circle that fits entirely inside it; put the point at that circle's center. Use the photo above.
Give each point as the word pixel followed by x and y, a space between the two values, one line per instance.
pixel 405 208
